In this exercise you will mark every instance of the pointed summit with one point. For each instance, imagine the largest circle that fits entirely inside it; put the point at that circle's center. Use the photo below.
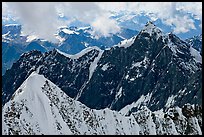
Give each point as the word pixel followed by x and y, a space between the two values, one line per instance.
pixel 149 23
pixel 151 29
pixel 31 86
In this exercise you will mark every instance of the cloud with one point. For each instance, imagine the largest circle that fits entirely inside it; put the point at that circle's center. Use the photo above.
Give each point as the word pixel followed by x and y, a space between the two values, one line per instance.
pixel 37 19
pixel 193 7
pixel 7 14
pixel 4 9
pixel 91 13
pixel 182 24
pixel 104 26
pixel 42 20
pixel 171 13
pixel 113 6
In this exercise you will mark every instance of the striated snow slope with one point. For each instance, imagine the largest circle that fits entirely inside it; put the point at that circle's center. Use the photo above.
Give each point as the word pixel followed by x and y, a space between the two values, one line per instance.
pixel 39 107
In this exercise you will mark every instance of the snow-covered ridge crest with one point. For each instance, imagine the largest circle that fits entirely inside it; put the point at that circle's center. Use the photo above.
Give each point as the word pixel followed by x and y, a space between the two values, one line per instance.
pixel 40 107
pixel 80 54
pixel 36 79
pixel 68 31
pixel 12 25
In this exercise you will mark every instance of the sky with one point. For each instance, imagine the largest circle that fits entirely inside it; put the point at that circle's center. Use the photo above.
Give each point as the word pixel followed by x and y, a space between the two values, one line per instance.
pixel 41 18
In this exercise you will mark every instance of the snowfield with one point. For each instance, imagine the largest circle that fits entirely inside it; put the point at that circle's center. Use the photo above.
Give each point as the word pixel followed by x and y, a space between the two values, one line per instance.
pixel 39 107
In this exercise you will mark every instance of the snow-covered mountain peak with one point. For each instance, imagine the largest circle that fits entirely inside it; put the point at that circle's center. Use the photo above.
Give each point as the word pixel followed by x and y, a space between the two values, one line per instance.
pixel 40 107
pixel 150 24
pixel 31 38
pixel 151 29
pixel 31 87
pixel 32 106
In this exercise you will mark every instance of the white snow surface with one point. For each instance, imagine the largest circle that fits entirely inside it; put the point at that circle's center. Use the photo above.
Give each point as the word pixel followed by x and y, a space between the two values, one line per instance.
pixel 83 28
pixel 145 61
pixel 119 93
pixel 94 64
pixel 31 38
pixel 196 55
pixel 39 113
pixel 126 43
pixel 68 31
pixel 60 38
pixel 80 54
pixel 4 35
pixel 172 46
pixel 137 64
pixel 46 109
pixel 144 99
pixel 39 107
pixel 170 101
pixel 105 67
pixel 11 25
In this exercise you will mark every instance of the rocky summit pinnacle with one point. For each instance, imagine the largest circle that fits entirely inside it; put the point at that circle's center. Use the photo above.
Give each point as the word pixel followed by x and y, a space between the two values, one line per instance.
pixel 151 29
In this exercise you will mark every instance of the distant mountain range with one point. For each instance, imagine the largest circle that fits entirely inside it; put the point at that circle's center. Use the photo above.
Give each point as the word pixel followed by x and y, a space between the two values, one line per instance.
pixel 72 40
pixel 131 20
pixel 80 35
pixel 136 21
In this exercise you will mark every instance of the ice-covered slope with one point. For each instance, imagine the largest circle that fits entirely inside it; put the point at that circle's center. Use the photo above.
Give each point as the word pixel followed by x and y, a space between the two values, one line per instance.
pixel 39 107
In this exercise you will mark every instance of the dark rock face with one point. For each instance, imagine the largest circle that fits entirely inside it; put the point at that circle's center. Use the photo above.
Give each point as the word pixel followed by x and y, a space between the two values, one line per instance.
pixel 11 52
pixel 161 74
pixel 15 76
pixel 196 42
pixel 69 74
pixel 157 65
